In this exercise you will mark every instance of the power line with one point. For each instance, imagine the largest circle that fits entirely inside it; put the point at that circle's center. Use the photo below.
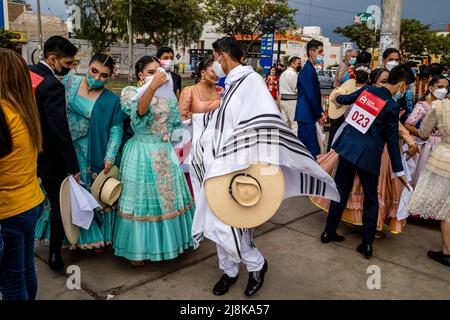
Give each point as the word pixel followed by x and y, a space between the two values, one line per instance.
pixel 322 7
pixel 323 17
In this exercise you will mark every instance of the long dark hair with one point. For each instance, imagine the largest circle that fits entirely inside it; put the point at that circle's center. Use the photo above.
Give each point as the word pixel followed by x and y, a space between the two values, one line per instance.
pixel 104 59
pixel 204 64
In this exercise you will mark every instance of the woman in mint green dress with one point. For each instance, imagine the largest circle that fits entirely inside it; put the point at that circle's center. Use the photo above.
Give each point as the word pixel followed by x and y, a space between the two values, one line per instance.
pixel 96 126
pixel 156 208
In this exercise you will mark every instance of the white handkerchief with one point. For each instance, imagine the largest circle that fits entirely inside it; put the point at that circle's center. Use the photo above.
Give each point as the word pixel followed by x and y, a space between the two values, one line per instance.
pixel 165 91
pixel 82 205
pixel 402 212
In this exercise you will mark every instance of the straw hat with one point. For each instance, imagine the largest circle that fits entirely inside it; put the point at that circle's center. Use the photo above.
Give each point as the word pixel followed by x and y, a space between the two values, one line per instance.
pixel 72 231
pixel 246 198
pixel 106 188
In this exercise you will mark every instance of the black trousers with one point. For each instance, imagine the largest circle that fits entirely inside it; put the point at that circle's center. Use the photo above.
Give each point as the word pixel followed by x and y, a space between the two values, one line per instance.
pixel 51 187
pixel 334 126
pixel 345 175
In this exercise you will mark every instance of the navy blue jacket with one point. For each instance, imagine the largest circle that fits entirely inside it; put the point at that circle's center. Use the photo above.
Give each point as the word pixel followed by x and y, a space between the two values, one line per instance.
pixel 365 150
pixel 309 102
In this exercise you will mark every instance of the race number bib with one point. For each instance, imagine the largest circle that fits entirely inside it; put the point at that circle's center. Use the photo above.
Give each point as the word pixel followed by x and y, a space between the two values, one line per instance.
pixel 364 111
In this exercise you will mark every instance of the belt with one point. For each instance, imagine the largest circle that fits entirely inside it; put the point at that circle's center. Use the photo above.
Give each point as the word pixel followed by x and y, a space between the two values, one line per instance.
pixel 289 97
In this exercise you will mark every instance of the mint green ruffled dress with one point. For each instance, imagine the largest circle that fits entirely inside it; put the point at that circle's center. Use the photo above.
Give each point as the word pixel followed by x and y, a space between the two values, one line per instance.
pixel 156 208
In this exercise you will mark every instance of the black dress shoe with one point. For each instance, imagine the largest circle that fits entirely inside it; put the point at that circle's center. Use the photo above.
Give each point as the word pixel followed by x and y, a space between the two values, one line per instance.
pixel 440 257
pixel 365 249
pixel 224 284
pixel 256 280
pixel 55 262
pixel 328 237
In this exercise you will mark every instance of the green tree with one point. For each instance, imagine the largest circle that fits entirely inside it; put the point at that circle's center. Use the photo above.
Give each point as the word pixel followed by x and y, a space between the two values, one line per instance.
pixel 250 18
pixel 161 21
pixel 5 40
pixel 102 22
pixel 361 35
pixel 415 38
pixel 440 45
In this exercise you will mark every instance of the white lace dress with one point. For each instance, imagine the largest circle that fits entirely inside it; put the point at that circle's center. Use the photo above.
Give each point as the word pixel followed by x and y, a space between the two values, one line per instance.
pixel 431 198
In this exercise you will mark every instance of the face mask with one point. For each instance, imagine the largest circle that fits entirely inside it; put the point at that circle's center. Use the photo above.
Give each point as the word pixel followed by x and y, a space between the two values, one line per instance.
pixel 94 83
pixel 319 59
pixel 209 80
pixel 299 68
pixel 64 71
pixel 352 61
pixel 391 65
pixel 218 70
pixel 167 64
pixel 440 93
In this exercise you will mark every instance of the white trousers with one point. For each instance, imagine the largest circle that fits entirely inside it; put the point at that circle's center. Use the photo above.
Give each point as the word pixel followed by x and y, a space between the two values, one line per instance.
pixel 251 257
pixel 288 114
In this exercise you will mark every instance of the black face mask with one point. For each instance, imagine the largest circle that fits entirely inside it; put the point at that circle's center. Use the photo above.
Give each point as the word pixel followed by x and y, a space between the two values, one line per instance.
pixel 64 71
pixel 299 68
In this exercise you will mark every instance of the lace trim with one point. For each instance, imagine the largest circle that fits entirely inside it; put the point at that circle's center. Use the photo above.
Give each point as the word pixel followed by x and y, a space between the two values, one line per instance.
pixel 166 216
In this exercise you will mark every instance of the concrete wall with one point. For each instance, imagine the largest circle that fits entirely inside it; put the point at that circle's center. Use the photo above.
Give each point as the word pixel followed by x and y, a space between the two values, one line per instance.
pixel 119 53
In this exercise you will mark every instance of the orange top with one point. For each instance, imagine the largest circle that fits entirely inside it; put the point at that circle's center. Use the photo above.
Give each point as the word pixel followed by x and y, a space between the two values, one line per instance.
pixel 191 102
pixel 19 185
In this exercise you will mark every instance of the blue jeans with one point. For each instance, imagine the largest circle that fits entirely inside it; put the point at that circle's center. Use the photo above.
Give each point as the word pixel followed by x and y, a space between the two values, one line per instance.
pixel 18 279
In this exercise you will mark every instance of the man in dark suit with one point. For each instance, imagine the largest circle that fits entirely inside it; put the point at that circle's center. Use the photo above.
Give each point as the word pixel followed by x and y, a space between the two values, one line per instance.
pixel 309 103
pixel 58 157
pixel 165 55
pixel 361 153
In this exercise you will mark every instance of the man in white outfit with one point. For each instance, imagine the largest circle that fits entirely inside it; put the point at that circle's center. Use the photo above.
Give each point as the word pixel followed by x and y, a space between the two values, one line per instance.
pixel 288 92
pixel 233 138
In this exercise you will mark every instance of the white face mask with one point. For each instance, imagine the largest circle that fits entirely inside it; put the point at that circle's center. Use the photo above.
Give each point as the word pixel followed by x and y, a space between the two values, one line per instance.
pixel 440 93
pixel 167 65
pixel 391 65
pixel 218 70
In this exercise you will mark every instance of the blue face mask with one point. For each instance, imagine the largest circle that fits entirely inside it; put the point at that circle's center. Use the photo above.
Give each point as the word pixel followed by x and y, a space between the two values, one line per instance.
pixel 94 83
pixel 319 59
pixel 398 96
pixel 352 61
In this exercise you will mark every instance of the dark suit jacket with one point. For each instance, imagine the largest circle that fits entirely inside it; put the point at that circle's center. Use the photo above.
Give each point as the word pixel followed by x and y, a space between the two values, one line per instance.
pixel 59 154
pixel 365 150
pixel 176 82
pixel 309 103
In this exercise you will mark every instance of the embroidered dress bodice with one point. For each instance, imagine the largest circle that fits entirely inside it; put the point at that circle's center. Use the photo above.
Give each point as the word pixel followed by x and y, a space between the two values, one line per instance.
pixel 158 123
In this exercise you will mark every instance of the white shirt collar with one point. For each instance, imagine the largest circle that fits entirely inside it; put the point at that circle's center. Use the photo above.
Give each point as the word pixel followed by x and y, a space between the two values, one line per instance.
pixel 51 69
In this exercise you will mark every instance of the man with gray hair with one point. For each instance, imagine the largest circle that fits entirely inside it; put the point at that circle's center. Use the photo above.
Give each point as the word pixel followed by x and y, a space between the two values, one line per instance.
pixel 288 92
pixel 349 59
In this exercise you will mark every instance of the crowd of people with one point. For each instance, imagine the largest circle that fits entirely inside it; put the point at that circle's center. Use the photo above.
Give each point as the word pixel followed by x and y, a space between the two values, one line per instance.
pixel 168 167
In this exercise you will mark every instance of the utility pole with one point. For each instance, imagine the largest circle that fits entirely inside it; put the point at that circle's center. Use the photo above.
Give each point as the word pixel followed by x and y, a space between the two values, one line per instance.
pixel 390 28
pixel 130 45
pixel 39 21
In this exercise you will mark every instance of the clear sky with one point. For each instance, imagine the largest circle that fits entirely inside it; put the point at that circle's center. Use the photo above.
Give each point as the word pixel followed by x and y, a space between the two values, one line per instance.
pixel 326 13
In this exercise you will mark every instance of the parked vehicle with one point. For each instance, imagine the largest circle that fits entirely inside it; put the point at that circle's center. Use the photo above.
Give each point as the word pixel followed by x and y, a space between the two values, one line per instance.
pixel 326 79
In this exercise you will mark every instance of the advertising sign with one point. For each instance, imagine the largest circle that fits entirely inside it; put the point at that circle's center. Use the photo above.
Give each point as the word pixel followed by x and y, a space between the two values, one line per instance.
pixel 266 57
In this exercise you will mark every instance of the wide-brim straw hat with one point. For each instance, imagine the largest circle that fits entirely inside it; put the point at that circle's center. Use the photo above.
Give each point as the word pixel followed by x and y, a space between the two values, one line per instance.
pixel 246 198
pixel 72 231
pixel 107 188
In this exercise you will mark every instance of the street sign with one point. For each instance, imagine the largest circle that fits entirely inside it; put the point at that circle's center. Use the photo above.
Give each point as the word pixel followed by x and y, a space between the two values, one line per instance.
pixel 266 57
pixel 178 56
pixel 201 51
pixel 362 17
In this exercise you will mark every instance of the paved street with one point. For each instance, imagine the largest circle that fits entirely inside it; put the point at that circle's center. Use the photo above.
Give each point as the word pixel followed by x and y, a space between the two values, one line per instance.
pixel 300 266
